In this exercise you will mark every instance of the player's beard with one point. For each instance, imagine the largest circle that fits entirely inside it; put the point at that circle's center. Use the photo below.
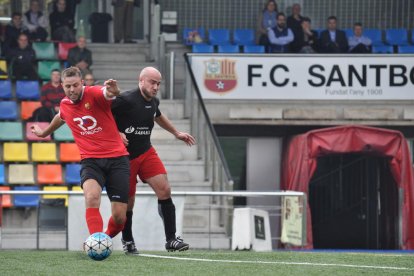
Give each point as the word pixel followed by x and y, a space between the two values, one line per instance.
pixel 148 94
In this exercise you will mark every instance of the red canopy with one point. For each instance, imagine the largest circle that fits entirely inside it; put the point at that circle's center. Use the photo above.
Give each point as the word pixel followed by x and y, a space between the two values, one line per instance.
pixel 302 151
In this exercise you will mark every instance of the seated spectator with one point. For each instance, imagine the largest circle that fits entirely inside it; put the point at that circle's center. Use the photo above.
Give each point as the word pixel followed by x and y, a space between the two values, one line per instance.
pixel 36 22
pixel 88 79
pixel 22 59
pixel 266 19
pixel 194 37
pixel 333 40
pixel 280 36
pixel 51 95
pixel 294 22
pixel 306 39
pixel 359 43
pixel 61 23
pixel 80 56
pixel 13 30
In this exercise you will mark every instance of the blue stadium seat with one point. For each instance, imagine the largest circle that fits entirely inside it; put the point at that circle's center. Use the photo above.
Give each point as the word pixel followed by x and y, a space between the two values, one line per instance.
pixel 254 49
pixel 382 49
pixel 186 31
pixel 349 32
pixel 203 48
pixel 27 90
pixel 408 49
pixel 243 37
pixel 8 110
pixel 375 35
pixel 5 89
pixel 26 200
pixel 219 36
pixel 72 175
pixel 228 49
pixel 396 37
pixel 2 174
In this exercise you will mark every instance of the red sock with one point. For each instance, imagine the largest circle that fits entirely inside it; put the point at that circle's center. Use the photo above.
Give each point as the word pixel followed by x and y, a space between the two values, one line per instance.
pixel 94 220
pixel 113 228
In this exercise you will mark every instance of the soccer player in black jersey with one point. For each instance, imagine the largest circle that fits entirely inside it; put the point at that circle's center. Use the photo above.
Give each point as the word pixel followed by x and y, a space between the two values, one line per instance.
pixel 135 112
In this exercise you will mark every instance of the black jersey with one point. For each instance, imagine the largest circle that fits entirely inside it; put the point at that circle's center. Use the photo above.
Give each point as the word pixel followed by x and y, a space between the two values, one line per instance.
pixel 134 116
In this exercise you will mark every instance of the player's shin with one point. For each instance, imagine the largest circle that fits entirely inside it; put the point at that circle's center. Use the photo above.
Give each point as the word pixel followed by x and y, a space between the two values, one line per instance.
pixel 127 231
pixel 94 220
pixel 114 228
pixel 166 209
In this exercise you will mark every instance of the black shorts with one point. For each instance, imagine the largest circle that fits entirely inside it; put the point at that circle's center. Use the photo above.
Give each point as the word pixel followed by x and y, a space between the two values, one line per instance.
pixel 111 173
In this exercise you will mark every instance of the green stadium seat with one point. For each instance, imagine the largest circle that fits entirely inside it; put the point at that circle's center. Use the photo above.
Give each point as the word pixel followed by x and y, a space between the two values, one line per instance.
pixel 44 152
pixel 44 50
pixel 11 131
pixel 63 134
pixel 44 68
pixel 21 174
pixel 26 200
pixel 15 152
pixel 31 137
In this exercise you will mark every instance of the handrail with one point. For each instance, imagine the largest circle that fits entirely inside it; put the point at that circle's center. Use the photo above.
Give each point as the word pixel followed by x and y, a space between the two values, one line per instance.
pixel 208 121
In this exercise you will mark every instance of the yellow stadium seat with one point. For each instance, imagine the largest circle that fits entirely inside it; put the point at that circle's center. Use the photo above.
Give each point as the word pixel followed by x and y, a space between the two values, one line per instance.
pixel 15 152
pixel 21 174
pixel 56 188
pixel 44 152
pixel 77 189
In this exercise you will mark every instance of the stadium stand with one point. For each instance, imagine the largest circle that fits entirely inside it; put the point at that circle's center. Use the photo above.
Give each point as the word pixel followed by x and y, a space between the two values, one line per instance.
pixel 375 35
pixel 44 152
pixel 15 152
pixel 2 174
pixel 11 131
pixel 69 152
pixel 27 108
pixel 348 32
pixel 63 49
pixel 72 174
pixel 228 49
pixel 254 49
pixel 77 189
pixel 49 174
pixel 219 37
pixel 3 69
pixel 5 90
pixel 45 67
pixel 8 110
pixel 26 200
pixel 396 37
pixel 243 37
pixel 21 174
pixel 44 50
pixel 31 137
pixel 203 48
pixel 56 188
pixel 6 201
pixel 188 39
pixel 63 134
pixel 408 49
pixel 27 90
pixel 382 49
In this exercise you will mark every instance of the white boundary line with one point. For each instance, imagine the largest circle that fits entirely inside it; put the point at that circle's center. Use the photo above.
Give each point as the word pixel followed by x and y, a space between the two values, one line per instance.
pixel 277 263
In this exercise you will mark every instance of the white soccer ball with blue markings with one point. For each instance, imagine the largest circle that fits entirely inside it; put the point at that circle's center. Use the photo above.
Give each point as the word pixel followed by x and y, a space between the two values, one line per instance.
pixel 98 246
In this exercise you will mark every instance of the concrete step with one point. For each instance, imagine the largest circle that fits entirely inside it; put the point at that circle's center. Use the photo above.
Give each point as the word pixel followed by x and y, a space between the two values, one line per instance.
pixel 118 71
pixel 173 109
pixel 204 241
pixel 118 57
pixel 118 48
pixel 175 152
pixel 201 218
pixel 159 133
pixel 194 169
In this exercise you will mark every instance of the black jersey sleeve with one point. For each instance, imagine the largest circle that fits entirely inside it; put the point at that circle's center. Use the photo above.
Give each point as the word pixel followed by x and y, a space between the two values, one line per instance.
pixel 119 106
pixel 157 111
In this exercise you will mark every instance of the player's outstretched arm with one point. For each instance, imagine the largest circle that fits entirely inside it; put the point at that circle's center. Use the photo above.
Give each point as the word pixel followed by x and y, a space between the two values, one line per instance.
pixel 112 89
pixel 166 124
pixel 56 123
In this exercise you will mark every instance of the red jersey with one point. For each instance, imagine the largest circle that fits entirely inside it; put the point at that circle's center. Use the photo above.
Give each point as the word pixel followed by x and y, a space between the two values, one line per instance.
pixel 92 124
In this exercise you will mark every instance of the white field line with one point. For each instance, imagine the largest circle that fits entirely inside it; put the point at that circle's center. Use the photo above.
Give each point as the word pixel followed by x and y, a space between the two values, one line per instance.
pixel 277 263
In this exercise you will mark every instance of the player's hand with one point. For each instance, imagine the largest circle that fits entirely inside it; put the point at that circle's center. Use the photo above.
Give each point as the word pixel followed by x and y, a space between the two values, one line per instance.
pixel 112 87
pixel 36 130
pixel 186 138
pixel 124 139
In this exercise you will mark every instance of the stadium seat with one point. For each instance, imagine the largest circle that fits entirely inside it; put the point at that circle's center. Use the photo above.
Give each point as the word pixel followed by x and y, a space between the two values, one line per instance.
pixel 6 201
pixel 3 70
pixel 396 37
pixel 27 108
pixel 187 31
pixel 26 200
pixel 72 175
pixel 254 49
pixel 243 37
pixel 203 48
pixel 31 137
pixel 408 49
pixel 382 49
pixel 2 182
pixel 44 68
pixel 69 152
pixel 77 189
pixel 49 174
pixel 11 131
pixel 228 49
pixel 348 32
pixel 44 50
pixel 8 110
pixel 21 174
pixel 15 152
pixel 5 90
pixel 63 134
pixel 63 49
pixel 44 152
pixel 219 36
pixel 54 188
pixel 27 90
pixel 375 35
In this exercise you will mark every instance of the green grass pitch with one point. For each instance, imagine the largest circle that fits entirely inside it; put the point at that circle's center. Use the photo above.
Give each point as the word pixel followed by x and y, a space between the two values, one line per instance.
pixel 195 262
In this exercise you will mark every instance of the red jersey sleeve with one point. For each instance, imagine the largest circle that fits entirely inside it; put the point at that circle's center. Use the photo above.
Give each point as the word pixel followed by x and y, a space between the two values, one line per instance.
pixel 99 95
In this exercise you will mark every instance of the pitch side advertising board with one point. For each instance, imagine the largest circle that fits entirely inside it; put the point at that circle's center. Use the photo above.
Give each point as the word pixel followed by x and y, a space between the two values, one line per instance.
pixel 305 77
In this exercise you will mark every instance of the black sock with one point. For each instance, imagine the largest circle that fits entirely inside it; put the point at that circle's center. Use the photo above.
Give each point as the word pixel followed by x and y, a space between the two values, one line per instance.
pixel 127 231
pixel 166 209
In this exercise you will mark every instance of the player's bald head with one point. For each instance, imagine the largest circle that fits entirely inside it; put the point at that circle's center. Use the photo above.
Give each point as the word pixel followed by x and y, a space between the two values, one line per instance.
pixel 150 72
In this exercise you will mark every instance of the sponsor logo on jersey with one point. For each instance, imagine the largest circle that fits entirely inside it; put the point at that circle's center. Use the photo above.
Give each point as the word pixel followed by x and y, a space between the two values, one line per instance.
pixel 88 125
pixel 142 131
pixel 130 129
pixel 220 75
pixel 88 106
pixel 148 106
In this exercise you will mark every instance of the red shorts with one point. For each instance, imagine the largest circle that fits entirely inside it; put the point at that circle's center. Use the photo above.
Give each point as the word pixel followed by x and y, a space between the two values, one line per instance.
pixel 145 166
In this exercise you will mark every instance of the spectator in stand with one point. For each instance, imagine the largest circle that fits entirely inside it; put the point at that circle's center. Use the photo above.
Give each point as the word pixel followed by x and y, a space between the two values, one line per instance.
pixel 89 80
pixel 333 40
pixel 13 30
pixel 359 43
pixel 306 39
pixel 294 22
pixel 61 23
pixel 280 36
pixel 80 56
pixel 51 95
pixel 36 22
pixel 123 20
pixel 267 19
pixel 22 59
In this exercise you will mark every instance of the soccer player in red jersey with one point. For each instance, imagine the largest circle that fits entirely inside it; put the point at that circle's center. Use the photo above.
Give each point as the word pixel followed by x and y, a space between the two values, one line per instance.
pixel 87 112
pixel 135 112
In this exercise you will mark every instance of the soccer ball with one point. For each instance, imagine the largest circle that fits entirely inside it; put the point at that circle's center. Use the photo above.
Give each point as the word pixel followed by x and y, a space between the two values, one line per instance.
pixel 98 246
